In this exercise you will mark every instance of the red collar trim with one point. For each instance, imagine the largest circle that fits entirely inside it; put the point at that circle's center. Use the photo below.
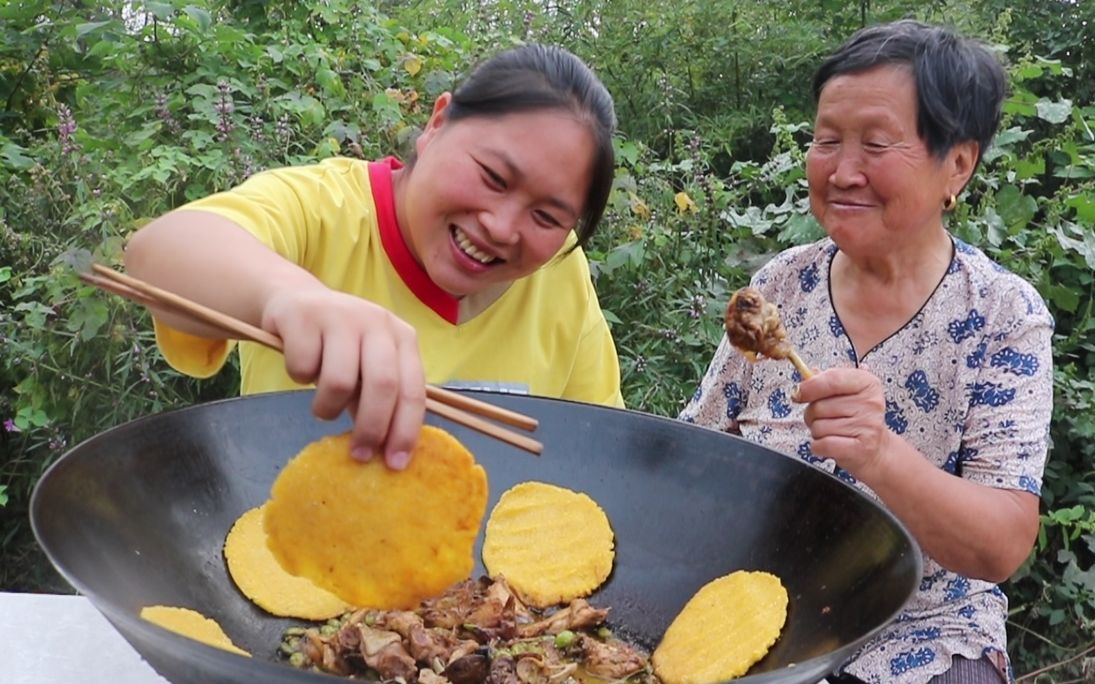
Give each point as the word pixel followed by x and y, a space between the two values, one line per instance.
pixel 413 275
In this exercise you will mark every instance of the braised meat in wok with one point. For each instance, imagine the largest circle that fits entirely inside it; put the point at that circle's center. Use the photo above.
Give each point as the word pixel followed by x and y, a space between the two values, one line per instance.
pixel 479 631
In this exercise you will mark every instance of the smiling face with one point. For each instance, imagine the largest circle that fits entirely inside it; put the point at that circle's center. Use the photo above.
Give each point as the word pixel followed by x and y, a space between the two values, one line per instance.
pixel 490 200
pixel 874 186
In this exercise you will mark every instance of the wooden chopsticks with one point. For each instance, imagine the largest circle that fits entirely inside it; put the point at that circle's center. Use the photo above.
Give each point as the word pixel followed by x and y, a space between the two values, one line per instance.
pixel 458 408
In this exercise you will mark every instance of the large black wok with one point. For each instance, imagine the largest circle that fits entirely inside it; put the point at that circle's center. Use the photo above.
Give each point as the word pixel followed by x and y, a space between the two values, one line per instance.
pixel 136 516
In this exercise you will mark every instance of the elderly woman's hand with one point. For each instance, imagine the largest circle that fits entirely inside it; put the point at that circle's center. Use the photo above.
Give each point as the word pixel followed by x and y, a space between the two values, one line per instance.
pixel 362 359
pixel 846 414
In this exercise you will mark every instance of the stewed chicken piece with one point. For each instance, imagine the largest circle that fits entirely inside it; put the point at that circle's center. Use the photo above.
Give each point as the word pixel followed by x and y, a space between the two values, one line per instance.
pixel 753 327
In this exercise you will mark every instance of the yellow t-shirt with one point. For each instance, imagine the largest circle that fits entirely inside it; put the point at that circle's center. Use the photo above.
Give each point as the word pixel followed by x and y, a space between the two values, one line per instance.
pixel 545 335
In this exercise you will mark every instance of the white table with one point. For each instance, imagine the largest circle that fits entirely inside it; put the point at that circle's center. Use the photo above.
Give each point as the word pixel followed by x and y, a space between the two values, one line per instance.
pixel 56 638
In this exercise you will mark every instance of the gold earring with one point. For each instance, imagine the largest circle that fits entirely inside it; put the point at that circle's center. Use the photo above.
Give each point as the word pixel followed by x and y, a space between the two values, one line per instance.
pixel 950 203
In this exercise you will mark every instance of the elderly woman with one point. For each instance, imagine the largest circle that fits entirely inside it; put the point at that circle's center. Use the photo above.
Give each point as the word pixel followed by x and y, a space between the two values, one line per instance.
pixel 937 393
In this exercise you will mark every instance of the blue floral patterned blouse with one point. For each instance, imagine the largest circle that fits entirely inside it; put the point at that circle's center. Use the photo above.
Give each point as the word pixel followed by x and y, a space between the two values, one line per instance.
pixel 968 382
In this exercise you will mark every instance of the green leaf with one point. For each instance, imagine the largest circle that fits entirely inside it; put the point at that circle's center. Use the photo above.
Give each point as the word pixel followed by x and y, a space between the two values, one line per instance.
pixel 1084 247
pixel 1011 136
pixel 102 48
pixel 1030 167
pixel 5 274
pixel 88 318
pixel 330 81
pixel 341 131
pixel 29 416
pixel 628 152
pixel 147 131
pixel 1021 103
pixel 1027 72
pixel 84 29
pixel 199 15
pixel 14 158
pixel 1062 297
pixel 1084 206
pixel 437 82
pixel 1054 112
pixel 801 229
pixel 1014 208
pixel 162 10
pixel 1073 172
pixel 275 54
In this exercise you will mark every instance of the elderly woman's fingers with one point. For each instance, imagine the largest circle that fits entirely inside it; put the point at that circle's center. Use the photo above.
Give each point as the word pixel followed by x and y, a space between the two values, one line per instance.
pixel 835 382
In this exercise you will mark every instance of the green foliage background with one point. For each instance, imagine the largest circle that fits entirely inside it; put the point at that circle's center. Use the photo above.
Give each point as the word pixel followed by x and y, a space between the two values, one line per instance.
pixel 114 112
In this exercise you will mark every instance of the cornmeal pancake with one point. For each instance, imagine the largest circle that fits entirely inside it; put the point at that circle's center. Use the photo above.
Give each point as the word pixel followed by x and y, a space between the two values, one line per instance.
pixel 551 544
pixel 191 624
pixel 259 576
pixel 728 625
pixel 375 537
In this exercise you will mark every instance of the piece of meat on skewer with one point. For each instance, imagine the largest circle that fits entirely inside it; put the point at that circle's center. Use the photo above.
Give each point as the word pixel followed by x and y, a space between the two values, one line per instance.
pixel 753 327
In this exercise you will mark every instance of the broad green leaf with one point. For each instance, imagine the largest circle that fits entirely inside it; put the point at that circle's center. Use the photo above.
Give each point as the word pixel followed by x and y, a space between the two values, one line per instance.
pixel 341 131
pixel 313 112
pixel 1064 298
pixel 1073 172
pixel 1015 208
pixel 142 134
pixel 1054 112
pixel 275 54
pixel 1022 103
pixel 162 10
pixel 1084 247
pixel 437 82
pixel 199 15
pixel 1030 167
pixel 1084 206
pixel 84 29
pixel 1011 135
pixel 628 152
pixel 14 156
pixel 1027 72
pixel 800 229
pixel 88 317
pixel 103 48
pixel 330 81
pixel 995 229
pixel 202 90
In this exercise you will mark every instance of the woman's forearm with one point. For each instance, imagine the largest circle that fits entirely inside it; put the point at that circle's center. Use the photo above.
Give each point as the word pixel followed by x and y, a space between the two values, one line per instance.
pixel 969 528
pixel 209 259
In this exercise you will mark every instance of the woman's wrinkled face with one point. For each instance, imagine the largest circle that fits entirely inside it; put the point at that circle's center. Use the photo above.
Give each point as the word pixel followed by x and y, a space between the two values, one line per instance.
pixel 490 200
pixel 873 183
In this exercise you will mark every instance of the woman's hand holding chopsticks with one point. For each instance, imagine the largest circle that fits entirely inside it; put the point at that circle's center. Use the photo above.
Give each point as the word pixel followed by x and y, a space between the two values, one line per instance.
pixel 215 280
pixel 362 359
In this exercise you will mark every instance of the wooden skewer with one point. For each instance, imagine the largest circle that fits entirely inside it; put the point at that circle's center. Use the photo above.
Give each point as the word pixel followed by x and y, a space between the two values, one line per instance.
pixel 456 407
pixel 803 369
